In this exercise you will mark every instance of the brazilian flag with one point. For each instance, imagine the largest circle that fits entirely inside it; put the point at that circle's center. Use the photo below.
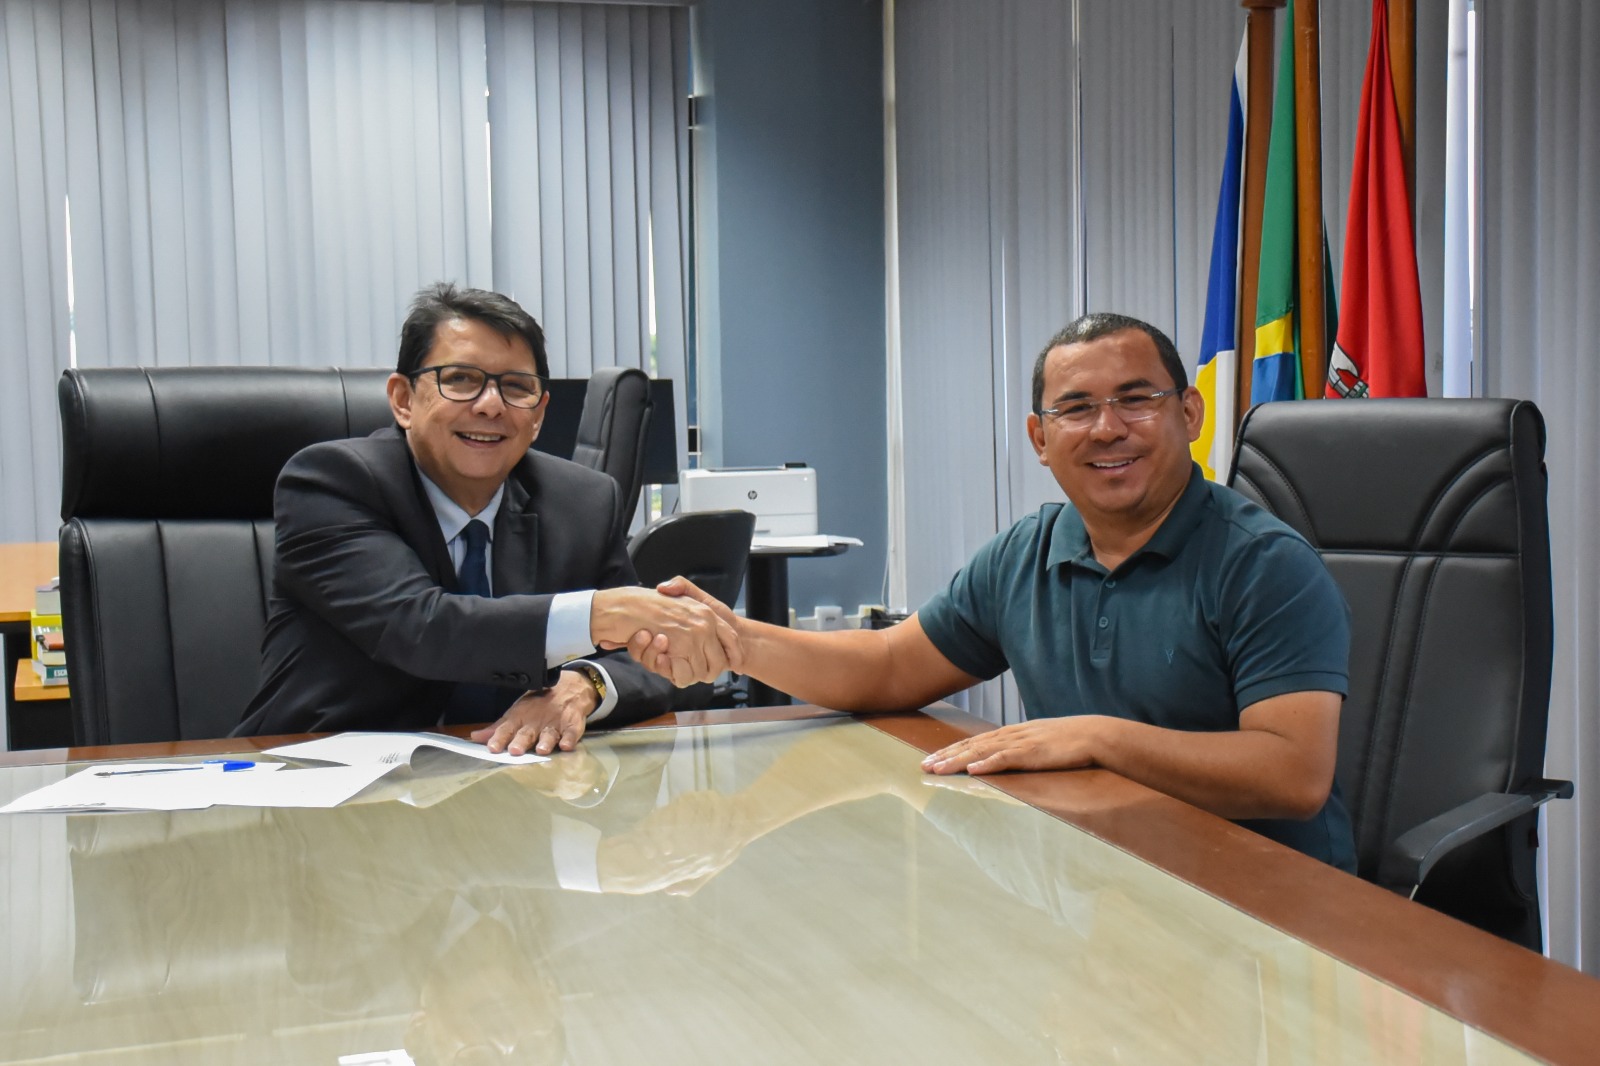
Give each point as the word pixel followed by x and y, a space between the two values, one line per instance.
pixel 1276 370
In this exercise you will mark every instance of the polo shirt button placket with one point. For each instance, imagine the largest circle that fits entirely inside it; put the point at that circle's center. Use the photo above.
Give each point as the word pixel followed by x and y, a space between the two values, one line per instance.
pixel 1100 646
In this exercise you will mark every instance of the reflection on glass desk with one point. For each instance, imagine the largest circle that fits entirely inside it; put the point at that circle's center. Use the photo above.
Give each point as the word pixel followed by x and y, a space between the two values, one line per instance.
pixel 783 892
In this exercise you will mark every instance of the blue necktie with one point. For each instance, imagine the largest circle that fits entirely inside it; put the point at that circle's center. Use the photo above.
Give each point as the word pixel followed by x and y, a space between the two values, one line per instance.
pixel 473 703
pixel 474 572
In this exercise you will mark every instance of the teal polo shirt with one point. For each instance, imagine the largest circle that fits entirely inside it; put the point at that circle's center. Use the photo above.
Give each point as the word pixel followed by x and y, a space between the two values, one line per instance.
pixel 1225 606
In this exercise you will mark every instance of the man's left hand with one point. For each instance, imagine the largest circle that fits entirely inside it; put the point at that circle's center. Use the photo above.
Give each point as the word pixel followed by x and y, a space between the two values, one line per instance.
pixel 541 722
pixel 1044 744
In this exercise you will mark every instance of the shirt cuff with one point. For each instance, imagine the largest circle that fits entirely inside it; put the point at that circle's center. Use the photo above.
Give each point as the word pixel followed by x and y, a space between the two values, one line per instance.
pixel 610 702
pixel 566 630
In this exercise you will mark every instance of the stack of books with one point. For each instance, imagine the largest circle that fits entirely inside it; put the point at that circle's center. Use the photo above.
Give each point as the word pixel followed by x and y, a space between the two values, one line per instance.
pixel 49 646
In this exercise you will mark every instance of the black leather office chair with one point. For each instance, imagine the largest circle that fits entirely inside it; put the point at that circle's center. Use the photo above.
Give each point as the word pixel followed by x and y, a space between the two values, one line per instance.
pixel 1431 516
pixel 166 550
pixel 710 548
pixel 613 430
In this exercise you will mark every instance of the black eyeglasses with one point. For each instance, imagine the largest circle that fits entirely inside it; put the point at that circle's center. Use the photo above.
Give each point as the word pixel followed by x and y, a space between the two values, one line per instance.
pixel 463 384
pixel 1131 407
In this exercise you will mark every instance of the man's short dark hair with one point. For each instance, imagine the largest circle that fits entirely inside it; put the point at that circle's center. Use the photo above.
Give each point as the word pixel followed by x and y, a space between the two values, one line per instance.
pixel 1097 324
pixel 442 301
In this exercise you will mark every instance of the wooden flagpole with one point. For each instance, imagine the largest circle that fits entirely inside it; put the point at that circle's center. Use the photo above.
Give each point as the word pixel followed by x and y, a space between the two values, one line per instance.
pixel 1308 195
pixel 1258 131
pixel 1403 69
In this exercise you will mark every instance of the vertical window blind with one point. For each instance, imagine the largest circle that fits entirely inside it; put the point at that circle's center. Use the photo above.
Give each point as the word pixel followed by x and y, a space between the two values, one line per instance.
pixel 194 182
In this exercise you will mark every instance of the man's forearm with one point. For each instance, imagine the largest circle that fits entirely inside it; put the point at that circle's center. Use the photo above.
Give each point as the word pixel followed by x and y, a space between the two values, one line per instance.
pixel 1277 764
pixel 1246 773
pixel 850 669
pixel 844 669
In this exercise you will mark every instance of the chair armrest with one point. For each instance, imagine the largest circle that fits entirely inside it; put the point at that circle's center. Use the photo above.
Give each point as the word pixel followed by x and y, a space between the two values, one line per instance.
pixel 1409 858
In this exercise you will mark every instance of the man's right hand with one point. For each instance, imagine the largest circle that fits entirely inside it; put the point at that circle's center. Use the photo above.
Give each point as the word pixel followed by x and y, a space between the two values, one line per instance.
pixel 655 650
pixel 695 642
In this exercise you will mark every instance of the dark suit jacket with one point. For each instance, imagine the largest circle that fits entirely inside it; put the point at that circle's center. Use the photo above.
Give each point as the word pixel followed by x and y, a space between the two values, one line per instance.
pixel 365 629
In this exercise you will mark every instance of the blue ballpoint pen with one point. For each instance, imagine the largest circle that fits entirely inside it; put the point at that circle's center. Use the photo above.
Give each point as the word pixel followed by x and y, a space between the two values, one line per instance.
pixel 226 764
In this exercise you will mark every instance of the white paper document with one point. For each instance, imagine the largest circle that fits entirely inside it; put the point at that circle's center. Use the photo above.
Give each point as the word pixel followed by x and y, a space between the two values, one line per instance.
pixel 147 786
pixel 814 542
pixel 391 749
pixel 361 759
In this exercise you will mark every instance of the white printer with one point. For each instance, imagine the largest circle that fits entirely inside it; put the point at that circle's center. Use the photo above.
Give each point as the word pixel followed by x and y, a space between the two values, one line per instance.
pixel 783 498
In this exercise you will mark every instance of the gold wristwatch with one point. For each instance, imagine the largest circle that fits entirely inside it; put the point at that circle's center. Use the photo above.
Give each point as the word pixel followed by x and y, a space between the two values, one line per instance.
pixel 595 678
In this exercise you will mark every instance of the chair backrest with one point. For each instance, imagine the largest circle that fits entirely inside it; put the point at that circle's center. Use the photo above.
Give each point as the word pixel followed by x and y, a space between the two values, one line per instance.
pixel 710 548
pixel 166 550
pixel 1431 516
pixel 613 431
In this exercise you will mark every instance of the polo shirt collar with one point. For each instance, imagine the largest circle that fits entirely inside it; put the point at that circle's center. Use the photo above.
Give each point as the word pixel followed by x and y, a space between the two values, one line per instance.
pixel 1170 538
pixel 1069 540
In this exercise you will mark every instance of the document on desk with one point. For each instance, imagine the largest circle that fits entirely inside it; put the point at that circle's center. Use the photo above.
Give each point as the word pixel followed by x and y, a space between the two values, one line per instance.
pixel 391 749
pixel 149 786
pixel 359 758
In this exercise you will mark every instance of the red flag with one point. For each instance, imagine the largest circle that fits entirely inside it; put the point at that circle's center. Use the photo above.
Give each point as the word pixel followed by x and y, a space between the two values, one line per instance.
pixel 1379 350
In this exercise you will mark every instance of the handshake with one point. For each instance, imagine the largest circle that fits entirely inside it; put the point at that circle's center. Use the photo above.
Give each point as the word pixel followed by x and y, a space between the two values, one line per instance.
pixel 675 630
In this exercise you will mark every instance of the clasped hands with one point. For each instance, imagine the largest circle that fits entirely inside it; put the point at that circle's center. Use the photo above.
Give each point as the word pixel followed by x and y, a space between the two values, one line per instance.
pixel 680 637
pixel 678 632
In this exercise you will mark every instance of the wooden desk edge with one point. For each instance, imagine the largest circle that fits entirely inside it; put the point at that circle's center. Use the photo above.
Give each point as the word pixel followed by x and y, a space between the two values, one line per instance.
pixel 1545 1008
pixel 1539 1006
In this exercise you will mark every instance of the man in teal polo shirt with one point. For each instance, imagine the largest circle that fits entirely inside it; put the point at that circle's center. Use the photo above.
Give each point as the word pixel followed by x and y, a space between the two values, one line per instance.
pixel 1157 624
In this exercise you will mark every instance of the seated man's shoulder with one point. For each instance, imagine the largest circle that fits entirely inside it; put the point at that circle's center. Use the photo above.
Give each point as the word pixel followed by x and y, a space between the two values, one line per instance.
pixel 1255 550
pixel 552 474
pixel 1248 521
pixel 1029 536
pixel 1036 526
pixel 386 443
pixel 340 468
pixel 1016 557
pixel 322 481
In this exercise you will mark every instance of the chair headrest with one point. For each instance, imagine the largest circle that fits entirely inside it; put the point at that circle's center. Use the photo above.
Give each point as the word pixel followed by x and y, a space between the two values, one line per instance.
pixel 611 430
pixel 201 442
pixel 1412 474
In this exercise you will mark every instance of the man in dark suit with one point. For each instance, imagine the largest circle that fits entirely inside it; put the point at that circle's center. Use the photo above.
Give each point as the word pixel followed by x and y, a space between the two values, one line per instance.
pixel 440 572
